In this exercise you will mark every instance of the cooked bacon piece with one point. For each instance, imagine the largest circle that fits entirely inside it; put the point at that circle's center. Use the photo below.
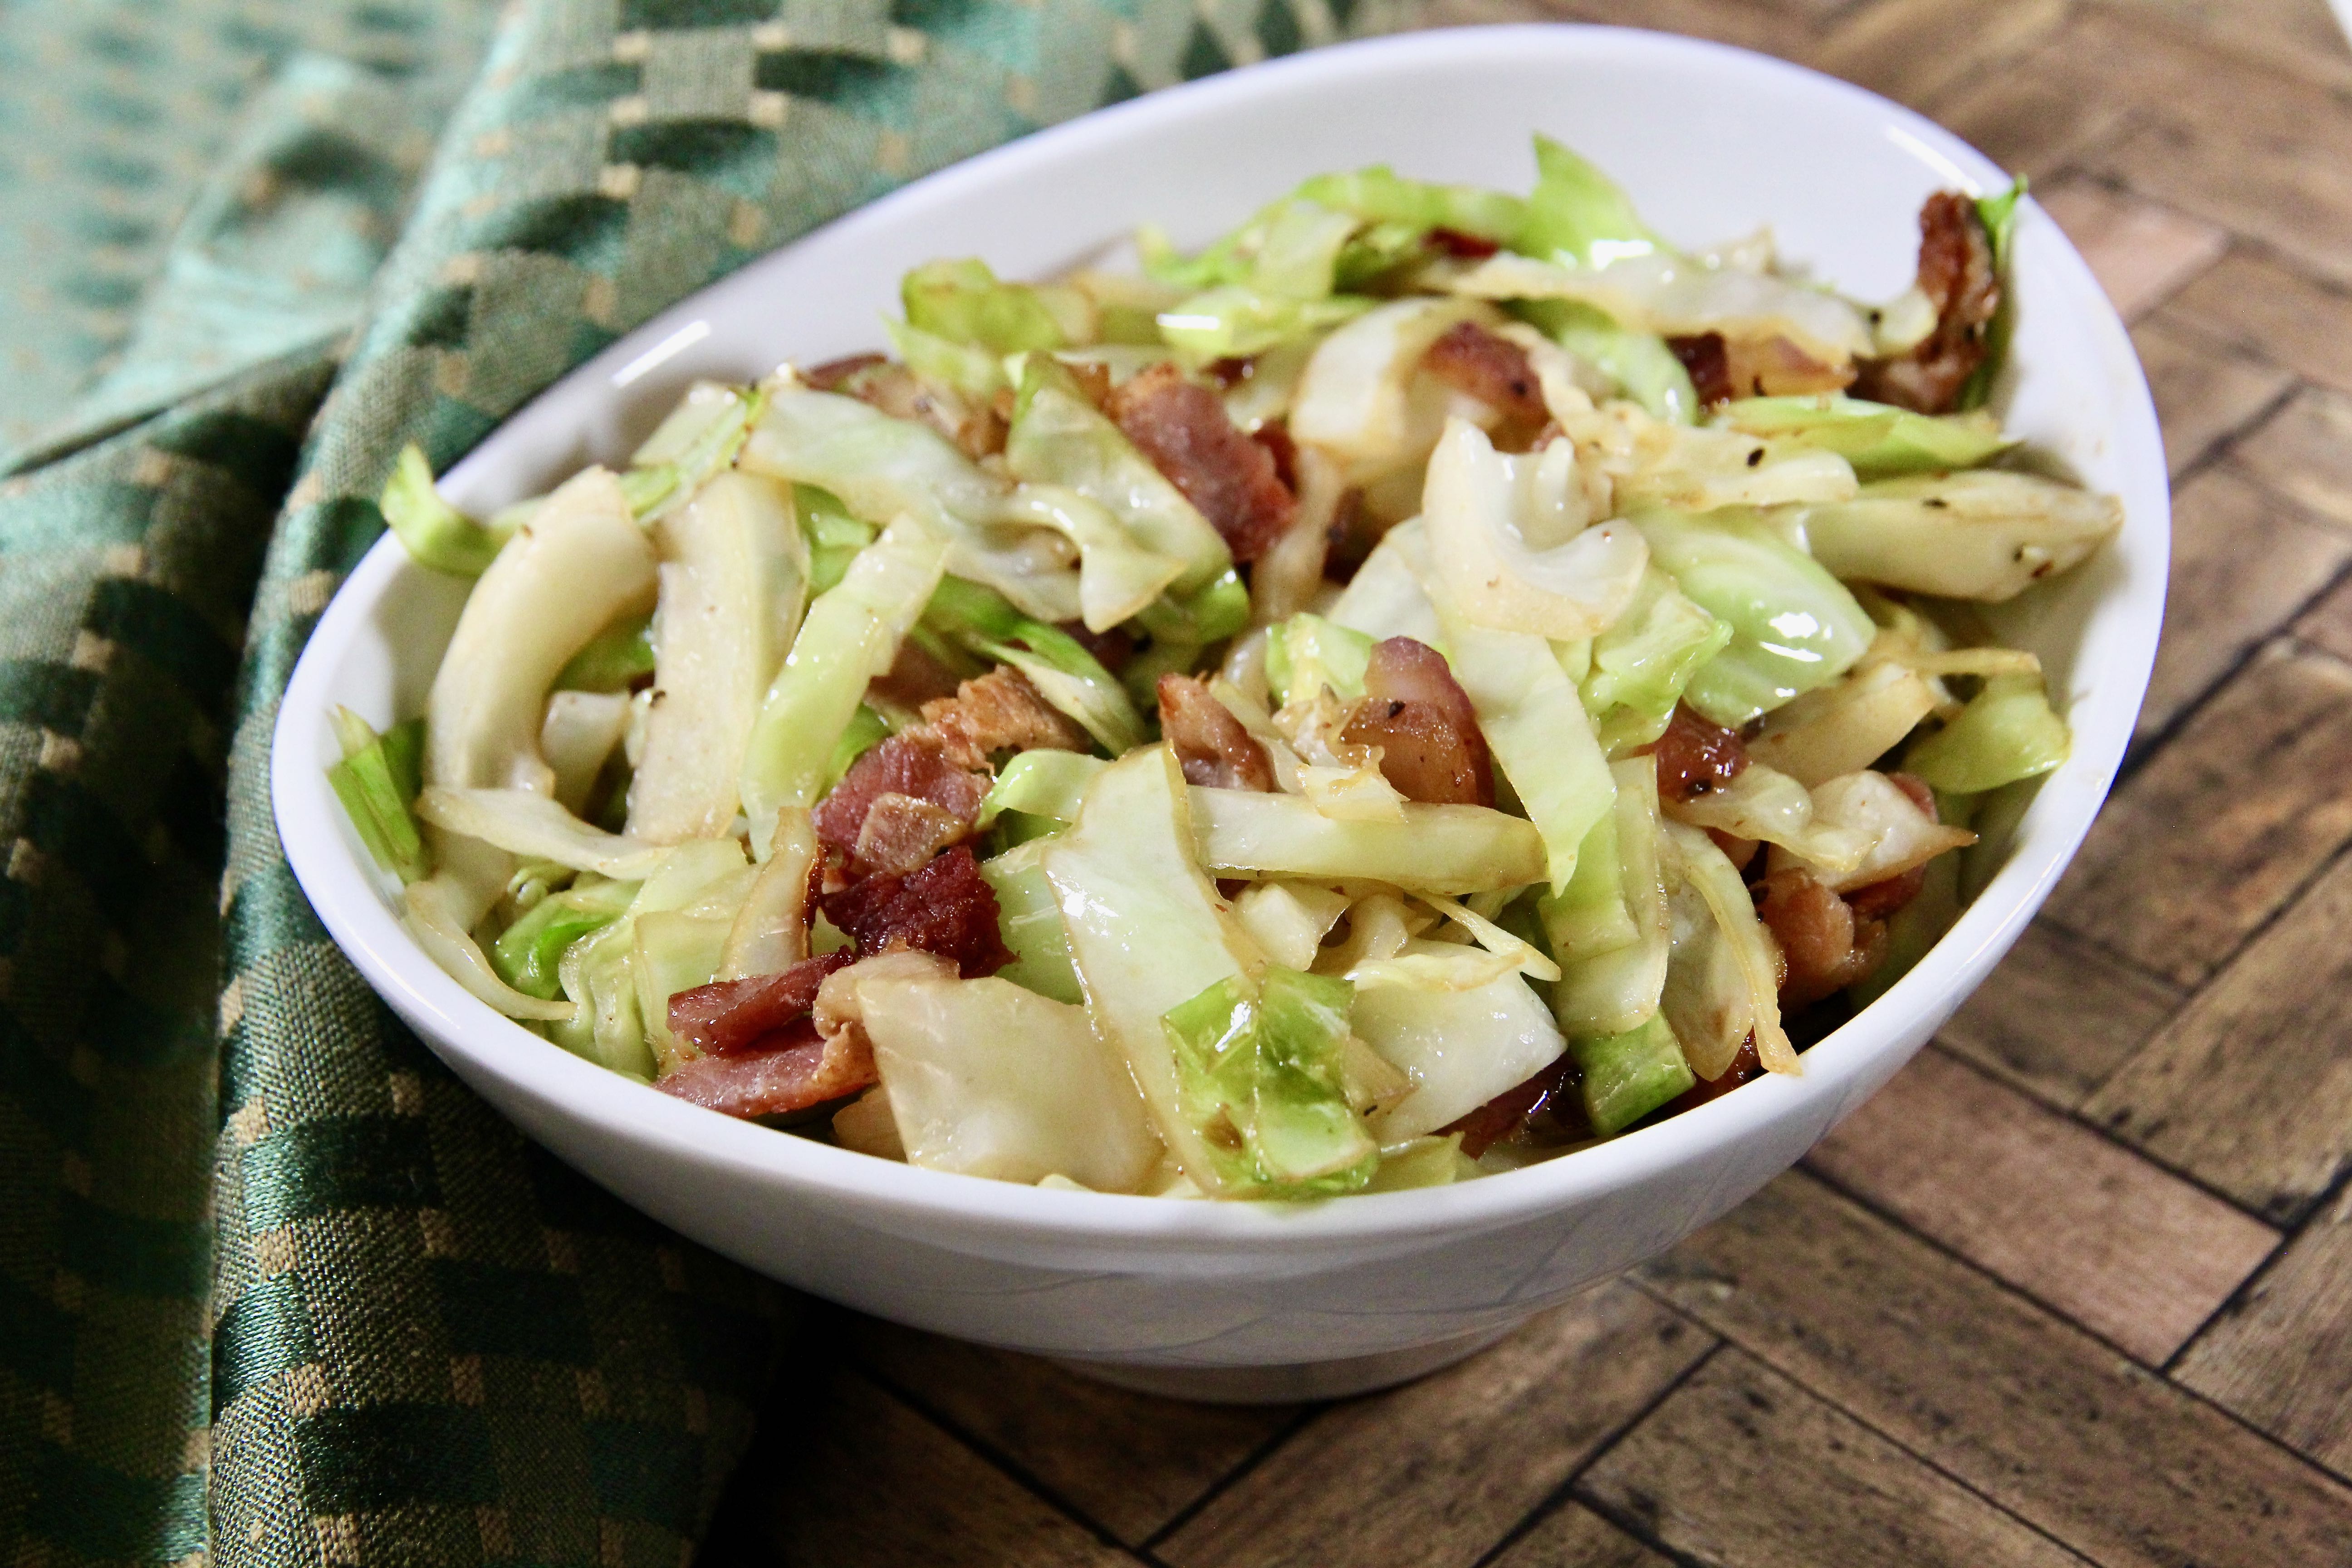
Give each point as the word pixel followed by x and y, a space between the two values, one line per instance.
pixel 1825 945
pixel 1209 744
pixel 1544 1098
pixel 902 394
pixel 1274 436
pixel 914 765
pixel 1418 714
pixel 1468 247
pixel 1956 273
pixel 999 711
pixel 828 376
pixel 803 1072
pixel 900 834
pixel 1695 757
pixel 1880 900
pixel 1112 648
pixel 1182 428
pixel 731 1016
pixel 944 908
pixel 1744 1066
pixel 1493 370
pixel 1709 363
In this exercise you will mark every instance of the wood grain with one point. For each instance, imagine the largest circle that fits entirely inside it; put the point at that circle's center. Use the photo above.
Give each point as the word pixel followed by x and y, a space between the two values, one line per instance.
pixel 854 1477
pixel 2261 305
pixel 2205 391
pixel 1741 1466
pixel 2090 1230
pixel 2243 563
pixel 2203 844
pixel 1576 1537
pixel 1997 1393
pixel 2139 252
pixel 1915 50
pixel 1436 1472
pixel 1129 1461
pixel 2281 1355
pixel 2328 624
pixel 2058 1016
pixel 2305 452
pixel 2250 1088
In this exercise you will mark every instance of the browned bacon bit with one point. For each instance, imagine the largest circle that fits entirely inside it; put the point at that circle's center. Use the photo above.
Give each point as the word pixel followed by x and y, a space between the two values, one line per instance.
pixel 1956 273
pixel 1468 247
pixel 1350 538
pixel 1695 758
pixel 828 376
pixel 804 1072
pixel 729 1015
pixel 999 711
pixel 914 764
pixel 1775 367
pixel 1709 363
pixel 1418 714
pixel 1209 744
pixel 944 907
pixel 1181 426
pixel 1493 370
pixel 1112 648
pixel 1274 436
pixel 1825 946
pixel 1744 1068
pixel 1547 1091
pixel 1880 900
pixel 901 833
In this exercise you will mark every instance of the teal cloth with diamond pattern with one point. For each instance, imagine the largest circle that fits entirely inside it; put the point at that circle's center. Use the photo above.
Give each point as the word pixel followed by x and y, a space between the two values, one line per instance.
pixel 278 1289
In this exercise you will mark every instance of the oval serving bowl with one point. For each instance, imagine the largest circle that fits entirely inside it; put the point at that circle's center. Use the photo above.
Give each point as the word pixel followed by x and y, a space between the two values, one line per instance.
pixel 1263 1300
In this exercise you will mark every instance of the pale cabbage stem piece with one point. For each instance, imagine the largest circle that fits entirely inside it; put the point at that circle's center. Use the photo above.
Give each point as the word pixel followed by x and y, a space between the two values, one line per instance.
pixel 770 931
pixel 1509 540
pixel 1672 296
pixel 734 579
pixel 1146 932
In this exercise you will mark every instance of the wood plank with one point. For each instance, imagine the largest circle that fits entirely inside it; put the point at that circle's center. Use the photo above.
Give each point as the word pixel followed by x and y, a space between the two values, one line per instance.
pixel 1739 1466
pixel 1129 1461
pixel 847 1477
pixel 2264 154
pixel 2243 563
pixel 2058 1016
pixel 2139 252
pixel 2260 305
pixel 2281 1355
pixel 2052 110
pixel 1576 1537
pixel 2250 1088
pixel 2100 1236
pixel 2328 624
pixel 2039 1416
pixel 2305 452
pixel 2205 391
pixel 1438 1472
pixel 2206 842
pixel 2295 36
pixel 1916 50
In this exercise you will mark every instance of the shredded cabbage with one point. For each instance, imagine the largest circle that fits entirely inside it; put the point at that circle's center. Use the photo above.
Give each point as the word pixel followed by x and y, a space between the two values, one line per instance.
pixel 1436 849
pixel 2007 732
pixel 1982 535
pixel 1510 541
pixel 1880 442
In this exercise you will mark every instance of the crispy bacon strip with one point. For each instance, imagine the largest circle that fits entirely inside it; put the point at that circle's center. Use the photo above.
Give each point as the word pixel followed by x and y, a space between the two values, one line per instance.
pixel 1493 370
pixel 1549 1096
pixel 804 1072
pixel 999 711
pixel 945 907
pixel 1824 944
pixel 1956 273
pixel 1209 744
pixel 913 764
pixel 1695 757
pixel 1181 426
pixel 1468 247
pixel 1709 363
pixel 731 1016
pixel 1744 1066
pixel 1418 714
pixel 1745 367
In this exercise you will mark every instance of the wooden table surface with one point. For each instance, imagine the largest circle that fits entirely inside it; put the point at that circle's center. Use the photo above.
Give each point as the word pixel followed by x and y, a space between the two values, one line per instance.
pixel 2077 1287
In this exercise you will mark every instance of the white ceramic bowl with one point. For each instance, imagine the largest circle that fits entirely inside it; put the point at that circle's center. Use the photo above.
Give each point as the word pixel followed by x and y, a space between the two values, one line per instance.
pixel 1244 1300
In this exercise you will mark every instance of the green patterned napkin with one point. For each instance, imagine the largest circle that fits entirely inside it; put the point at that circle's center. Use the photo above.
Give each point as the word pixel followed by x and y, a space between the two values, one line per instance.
pixel 277 1289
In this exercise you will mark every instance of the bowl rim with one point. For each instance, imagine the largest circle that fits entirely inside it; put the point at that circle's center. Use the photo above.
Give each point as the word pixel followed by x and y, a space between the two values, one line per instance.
pixel 345 889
